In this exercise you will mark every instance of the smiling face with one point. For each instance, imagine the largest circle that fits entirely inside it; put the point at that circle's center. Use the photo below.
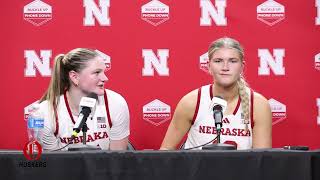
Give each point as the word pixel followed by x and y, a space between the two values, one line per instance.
pixel 225 66
pixel 92 77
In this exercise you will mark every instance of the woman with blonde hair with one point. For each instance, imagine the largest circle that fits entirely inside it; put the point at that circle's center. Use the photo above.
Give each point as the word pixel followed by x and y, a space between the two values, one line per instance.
pixel 78 74
pixel 247 119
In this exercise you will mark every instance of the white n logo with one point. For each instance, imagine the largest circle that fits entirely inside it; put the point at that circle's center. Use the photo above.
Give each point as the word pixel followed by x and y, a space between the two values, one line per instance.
pixel 33 62
pixel 208 10
pixel 267 61
pixel 318 12
pixel 91 10
pixel 318 104
pixel 151 62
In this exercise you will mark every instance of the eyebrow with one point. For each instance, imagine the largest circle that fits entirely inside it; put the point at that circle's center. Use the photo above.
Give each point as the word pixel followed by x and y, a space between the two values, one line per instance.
pixel 227 58
pixel 99 69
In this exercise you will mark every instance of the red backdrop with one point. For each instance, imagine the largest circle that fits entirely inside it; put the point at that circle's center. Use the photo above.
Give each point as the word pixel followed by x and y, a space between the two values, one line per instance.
pixel 155 48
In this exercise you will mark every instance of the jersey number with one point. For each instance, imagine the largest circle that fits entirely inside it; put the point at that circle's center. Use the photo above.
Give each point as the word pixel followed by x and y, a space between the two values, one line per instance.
pixel 103 125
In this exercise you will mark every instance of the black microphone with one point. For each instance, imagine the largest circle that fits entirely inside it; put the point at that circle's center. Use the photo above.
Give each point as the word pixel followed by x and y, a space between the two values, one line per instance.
pixel 217 116
pixel 86 105
pixel 218 107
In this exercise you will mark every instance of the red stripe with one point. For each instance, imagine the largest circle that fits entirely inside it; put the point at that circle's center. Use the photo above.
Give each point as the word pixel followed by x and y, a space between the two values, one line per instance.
pixel 211 92
pixel 237 107
pixel 251 108
pixel 107 108
pixel 68 107
pixel 57 119
pixel 197 106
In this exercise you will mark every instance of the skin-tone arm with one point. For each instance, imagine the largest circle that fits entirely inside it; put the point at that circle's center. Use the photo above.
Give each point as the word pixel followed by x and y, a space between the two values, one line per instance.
pixel 119 144
pixel 262 130
pixel 181 121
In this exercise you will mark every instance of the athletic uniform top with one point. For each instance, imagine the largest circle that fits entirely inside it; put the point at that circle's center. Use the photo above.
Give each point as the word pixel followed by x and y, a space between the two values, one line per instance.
pixel 110 120
pixel 233 129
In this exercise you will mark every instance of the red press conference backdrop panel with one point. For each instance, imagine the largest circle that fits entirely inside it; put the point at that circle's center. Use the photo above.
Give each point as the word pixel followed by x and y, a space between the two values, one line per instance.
pixel 156 52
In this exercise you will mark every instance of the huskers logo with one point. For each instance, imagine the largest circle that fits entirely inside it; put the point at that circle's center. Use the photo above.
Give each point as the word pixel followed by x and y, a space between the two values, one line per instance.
pixel 213 12
pixel 157 62
pixel 32 150
pixel 272 62
pixel 92 12
pixel 35 62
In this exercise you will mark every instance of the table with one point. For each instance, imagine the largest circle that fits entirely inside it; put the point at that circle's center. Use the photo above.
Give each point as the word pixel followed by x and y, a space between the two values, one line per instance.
pixel 264 164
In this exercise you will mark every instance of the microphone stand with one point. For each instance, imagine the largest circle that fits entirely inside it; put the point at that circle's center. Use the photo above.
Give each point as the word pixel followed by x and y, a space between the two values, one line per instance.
pixel 218 145
pixel 218 116
pixel 84 146
pixel 218 135
pixel 84 132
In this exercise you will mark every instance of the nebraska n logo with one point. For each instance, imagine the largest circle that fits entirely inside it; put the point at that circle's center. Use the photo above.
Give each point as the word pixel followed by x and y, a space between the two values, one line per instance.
pixel 152 62
pixel 273 62
pixel 33 62
pixel 208 11
pixel 91 10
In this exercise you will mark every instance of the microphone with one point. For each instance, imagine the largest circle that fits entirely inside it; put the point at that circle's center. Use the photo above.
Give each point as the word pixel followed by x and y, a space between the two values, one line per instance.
pixel 218 106
pixel 87 104
pixel 218 100
pixel 217 116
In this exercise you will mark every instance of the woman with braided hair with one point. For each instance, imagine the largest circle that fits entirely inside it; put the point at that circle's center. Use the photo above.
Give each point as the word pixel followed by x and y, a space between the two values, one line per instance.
pixel 247 118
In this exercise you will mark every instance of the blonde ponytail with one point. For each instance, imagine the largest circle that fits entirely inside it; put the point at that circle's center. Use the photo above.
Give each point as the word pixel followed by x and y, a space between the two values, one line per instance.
pixel 244 96
pixel 54 89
